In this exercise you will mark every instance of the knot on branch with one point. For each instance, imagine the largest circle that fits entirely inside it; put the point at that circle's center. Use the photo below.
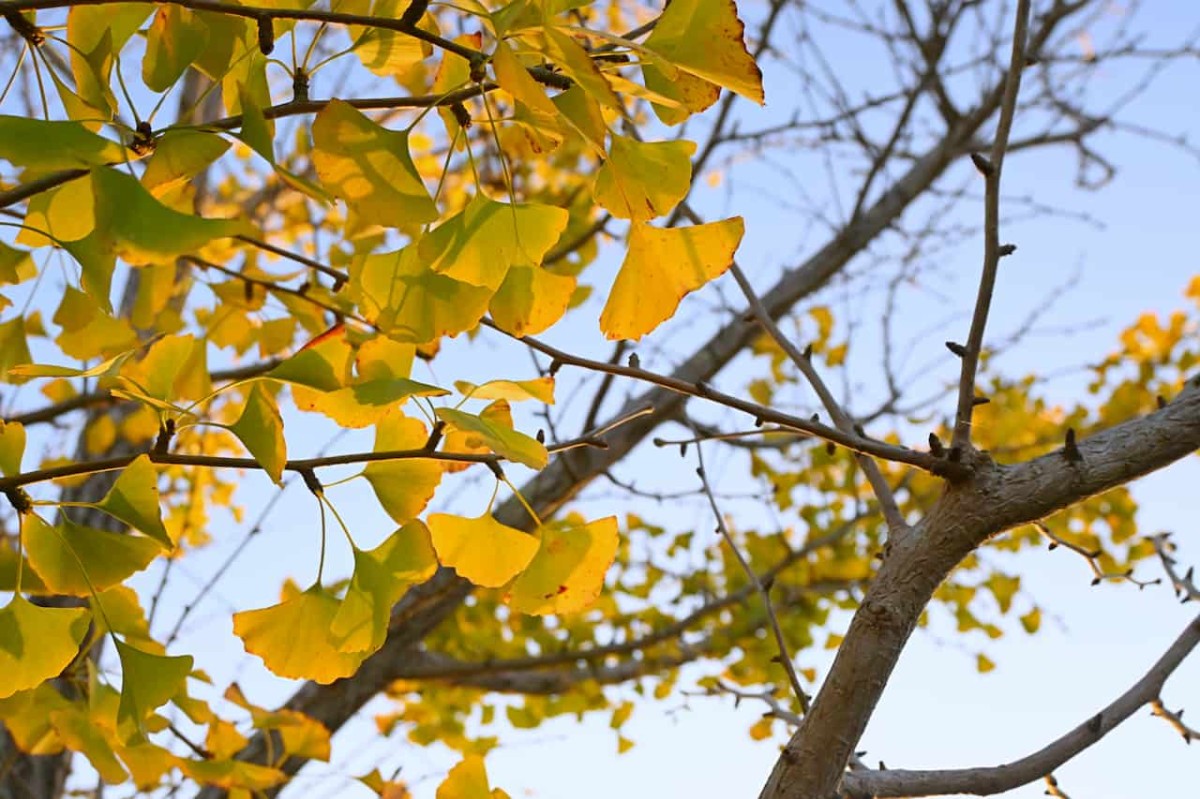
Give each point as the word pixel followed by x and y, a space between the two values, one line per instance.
pixel 165 433
pixel 20 500
pixel 24 28
pixel 143 142
pixel 266 34
pixel 300 83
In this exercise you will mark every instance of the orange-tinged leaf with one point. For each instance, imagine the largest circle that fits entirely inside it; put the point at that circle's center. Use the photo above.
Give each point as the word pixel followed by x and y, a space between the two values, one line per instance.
pixel 482 549
pixel 705 38
pixel 37 643
pixel 73 559
pixel 134 500
pixel 644 180
pixel 260 428
pixel 294 640
pixel 404 487
pixel 661 267
pixel 370 168
pixel 504 441
pixel 567 573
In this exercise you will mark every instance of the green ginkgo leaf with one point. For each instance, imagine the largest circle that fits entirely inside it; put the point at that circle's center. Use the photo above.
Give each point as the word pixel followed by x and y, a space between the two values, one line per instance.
pixel 370 168
pixel 404 487
pixel 260 428
pixel 143 230
pixel 179 156
pixel 366 403
pixel 661 266
pixel 482 549
pixel 134 500
pixel 480 244
pixel 381 576
pixel 567 572
pixel 44 146
pixel 177 36
pixel 644 180
pixel 77 560
pixel 37 643
pixel 294 639
pixel 323 365
pixel 504 441
pixel 148 681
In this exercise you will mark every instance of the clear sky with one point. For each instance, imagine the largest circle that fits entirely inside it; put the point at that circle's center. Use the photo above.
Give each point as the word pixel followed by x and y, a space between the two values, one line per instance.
pixel 938 711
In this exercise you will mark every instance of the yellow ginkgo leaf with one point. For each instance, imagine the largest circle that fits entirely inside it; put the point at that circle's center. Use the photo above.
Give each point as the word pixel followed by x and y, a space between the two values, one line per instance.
pixel 534 110
pixel 705 38
pixel 481 550
pixel 148 680
pixel 540 389
pixel 370 168
pixel 400 294
pixel 530 300
pixel 294 640
pixel 644 180
pixel 468 780
pixel 567 572
pixel 661 267
pixel 480 244
pixel 37 643
pixel 12 447
pixel 578 64
pixel 404 487
pixel 464 440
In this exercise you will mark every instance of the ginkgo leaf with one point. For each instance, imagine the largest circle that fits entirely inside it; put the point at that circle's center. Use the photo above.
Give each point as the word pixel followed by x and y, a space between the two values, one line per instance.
pixel 79 731
pixel 44 145
pixel 540 389
pixel 260 428
pixel 370 168
pixel 148 681
pixel 37 643
pixel 530 300
pixel 143 229
pixel 469 780
pixel 404 487
pixel 498 413
pixel 690 93
pixel 323 365
pixel 567 572
pixel 481 550
pixel 88 330
pixel 411 302
pixel 534 110
pixel 644 180
pixel 76 560
pixel 294 639
pixel 14 351
pixel 480 244
pixel 366 403
pixel 663 265
pixel 177 36
pixel 576 63
pixel 705 38
pixel 61 215
pixel 12 447
pixel 16 266
pixel 180 155
pixel 387 53
pixel 104 368
pixel 233 774
pixel 503 441
pixel 381 576
pixel 382 358
pixel 134 500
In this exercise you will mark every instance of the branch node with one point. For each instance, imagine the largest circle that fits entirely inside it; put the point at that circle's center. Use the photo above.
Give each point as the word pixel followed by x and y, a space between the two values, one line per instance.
pixel 266 34
pixel 300 84
pixel 634 361
pixel 1006 250
pixel 165 433
pixel 1070 448
pixel 985 166
pixel 935 446
pixel 24 28
pixel 20 500
pixel 956 348
pixel 312 483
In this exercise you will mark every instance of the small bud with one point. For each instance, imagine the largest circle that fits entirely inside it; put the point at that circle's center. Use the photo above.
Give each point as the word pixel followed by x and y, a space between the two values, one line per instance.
pixel 541 436
pixel 976 401
pixel 266 35
pixel 1161 400
pixel 1006 250
pixel 808 352
pixel 1070 448
pixel 830 448
pixel 956 348
pixel 935 445
pixel 634 361
pixel 555 365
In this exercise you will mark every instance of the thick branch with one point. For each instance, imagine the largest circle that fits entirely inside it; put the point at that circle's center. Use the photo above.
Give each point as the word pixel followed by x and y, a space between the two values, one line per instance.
pixel 988 780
